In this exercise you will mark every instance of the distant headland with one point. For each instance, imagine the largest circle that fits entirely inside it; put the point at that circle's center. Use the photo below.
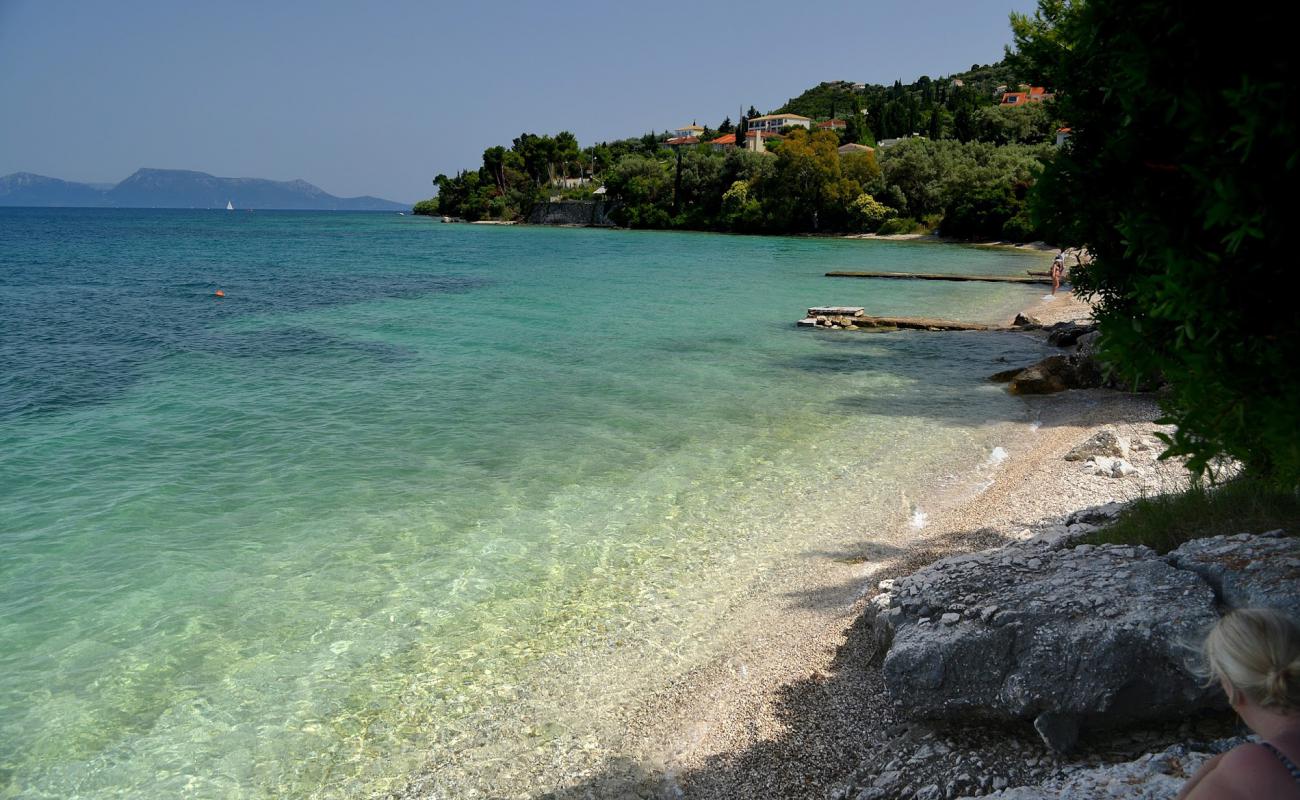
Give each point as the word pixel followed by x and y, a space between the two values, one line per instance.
pixel 179 188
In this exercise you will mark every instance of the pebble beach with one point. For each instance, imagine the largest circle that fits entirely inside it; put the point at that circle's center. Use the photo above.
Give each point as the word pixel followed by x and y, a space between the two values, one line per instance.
pixel 796 703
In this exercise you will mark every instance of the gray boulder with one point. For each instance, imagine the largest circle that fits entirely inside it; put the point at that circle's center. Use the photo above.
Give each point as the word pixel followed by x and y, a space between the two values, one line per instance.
pixel 1089 636
pixel 1089 342
pixel 1006 374
pixel 1246 571
pixel 1156 776
pixel 1058 373
pixel 1065 334
pixel 1109 467
pixel 1105 442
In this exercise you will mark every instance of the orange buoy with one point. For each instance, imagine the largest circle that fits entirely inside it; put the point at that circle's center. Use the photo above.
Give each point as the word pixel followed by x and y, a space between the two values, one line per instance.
pixel 220 293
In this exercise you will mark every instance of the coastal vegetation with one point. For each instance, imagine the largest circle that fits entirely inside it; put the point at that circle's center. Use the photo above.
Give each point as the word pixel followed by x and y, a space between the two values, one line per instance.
pixel 1164 521
pixel 960 163
pixel 1175 179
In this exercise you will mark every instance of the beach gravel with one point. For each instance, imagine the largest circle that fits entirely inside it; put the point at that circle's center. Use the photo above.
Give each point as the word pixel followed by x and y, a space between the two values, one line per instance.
pixel 797 704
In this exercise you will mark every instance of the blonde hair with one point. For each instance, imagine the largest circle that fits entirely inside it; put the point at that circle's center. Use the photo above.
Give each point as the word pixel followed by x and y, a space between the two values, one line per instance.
pixel 1256 651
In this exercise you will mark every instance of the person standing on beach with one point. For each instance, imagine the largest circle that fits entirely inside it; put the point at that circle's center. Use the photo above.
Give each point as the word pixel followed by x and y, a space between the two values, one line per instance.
pixel 1254 654
pixel 1058 268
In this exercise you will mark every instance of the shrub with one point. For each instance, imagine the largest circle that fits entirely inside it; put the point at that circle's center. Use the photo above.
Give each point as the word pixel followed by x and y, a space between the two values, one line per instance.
pixel 868 213
pixel 1020 228
pixel 898 225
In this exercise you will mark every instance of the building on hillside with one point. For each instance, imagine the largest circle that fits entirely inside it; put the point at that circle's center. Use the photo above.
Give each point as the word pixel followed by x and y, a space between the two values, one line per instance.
pixel 957 83
pixel 1029 94
pixel 686 132
pixel 754 140
pixel 883 143
pixel 1062 136
pixel 832 125
pixel 682 141
pixel 570 183
pixel 772 123
pixel 851 147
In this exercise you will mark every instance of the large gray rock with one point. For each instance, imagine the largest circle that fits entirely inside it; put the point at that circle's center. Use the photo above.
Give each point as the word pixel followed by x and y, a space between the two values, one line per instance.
pixel 1246 571
pixel 1088 343
pixel 1105 442
pixel 1155 776
pixel 1065 334
pixel 1089 636
pixel 1058 373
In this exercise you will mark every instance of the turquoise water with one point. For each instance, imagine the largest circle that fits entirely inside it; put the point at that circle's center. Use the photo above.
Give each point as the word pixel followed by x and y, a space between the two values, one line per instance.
pixel 354 519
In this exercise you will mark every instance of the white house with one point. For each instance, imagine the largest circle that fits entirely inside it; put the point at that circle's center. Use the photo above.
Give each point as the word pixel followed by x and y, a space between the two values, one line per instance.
pixel 771 123
pixel 688 131
pixel 883 143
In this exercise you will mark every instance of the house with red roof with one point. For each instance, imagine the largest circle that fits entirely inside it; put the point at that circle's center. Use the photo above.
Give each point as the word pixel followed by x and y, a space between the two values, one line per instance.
pixel 754 140
pixel 1027 95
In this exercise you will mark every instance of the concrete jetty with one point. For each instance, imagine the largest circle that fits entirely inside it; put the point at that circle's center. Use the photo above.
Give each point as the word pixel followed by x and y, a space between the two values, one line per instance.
pixel 856 318
pixel 936 276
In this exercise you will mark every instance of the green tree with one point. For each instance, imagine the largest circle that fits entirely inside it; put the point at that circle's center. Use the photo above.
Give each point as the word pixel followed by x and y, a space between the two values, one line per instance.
pixel 861 168
pixel 1033 123
pixel 644 190
pixel 868 214
pixel 1182 162
pixel 567 155
pixel 807 189
pixel 494 162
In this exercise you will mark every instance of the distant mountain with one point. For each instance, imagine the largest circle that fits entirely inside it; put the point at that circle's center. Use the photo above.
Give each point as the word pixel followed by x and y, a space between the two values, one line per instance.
pixel 26 189
pixel 178 188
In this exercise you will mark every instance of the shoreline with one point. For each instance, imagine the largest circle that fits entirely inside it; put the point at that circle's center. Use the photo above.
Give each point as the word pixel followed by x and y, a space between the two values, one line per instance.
pixel 923 238
pixel 934 238
pixel 793 706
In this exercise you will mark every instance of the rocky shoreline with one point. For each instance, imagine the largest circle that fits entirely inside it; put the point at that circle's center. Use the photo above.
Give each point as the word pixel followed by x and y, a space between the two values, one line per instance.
pixel 804 707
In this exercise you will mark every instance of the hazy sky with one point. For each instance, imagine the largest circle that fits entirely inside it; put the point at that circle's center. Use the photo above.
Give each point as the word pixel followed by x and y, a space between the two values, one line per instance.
pixel 378 97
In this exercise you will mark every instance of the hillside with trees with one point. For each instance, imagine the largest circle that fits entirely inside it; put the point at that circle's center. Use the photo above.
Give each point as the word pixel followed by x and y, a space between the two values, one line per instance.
pixel 967 174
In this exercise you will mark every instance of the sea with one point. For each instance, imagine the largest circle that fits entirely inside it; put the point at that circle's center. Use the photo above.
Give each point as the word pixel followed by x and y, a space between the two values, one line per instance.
pixel 424 499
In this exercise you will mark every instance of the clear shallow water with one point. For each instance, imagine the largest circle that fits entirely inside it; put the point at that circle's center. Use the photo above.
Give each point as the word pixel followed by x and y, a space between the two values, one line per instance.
pixel 417 491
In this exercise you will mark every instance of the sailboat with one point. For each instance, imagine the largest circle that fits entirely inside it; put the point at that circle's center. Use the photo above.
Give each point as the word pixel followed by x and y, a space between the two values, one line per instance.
pixel 230 206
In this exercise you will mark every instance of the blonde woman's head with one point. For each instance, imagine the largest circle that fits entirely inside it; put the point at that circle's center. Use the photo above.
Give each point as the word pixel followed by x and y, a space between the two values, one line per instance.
pixel 1255 652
